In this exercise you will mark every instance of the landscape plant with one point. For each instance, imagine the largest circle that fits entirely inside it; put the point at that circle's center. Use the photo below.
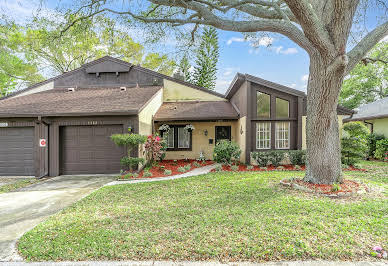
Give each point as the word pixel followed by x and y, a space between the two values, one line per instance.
pixel 354 143
pixel 226 152
pixel 372 139
pixel 130 141
pixel 381 152
pixel 181 169
pixel 276 157
pixel 297 157
pixel 262 158
pixel 154 148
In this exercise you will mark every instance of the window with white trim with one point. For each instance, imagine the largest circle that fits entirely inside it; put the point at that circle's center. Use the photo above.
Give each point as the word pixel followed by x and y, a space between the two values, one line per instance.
pixel 183 138
pixel 282 135
pixel 263 135
pixel 169 138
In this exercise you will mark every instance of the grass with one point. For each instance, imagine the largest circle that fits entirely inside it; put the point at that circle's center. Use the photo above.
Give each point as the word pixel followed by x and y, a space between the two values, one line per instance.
pixel 17 185
pixel 224 216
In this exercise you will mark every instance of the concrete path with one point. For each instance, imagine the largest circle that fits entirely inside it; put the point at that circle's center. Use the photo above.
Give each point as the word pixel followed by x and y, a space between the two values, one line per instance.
pixel 22 210
pixel 196 171
pixel 201 263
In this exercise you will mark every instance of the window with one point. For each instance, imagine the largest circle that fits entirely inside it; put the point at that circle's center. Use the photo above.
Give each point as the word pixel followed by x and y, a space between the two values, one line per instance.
pixel 282 135
pixel 183 138
pixel 263 135
pixel 263 105
pixel 282 108
pixel 177 138
pixel 169 138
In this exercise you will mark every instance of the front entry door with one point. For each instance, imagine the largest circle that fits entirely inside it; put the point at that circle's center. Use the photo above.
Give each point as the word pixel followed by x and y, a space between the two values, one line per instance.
pixel 223 132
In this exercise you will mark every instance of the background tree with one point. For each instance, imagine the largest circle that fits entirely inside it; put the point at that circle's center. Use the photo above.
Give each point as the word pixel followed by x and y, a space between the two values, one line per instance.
pixel 368 81
pixel 322 28
pixel 205 71
pixel 184 69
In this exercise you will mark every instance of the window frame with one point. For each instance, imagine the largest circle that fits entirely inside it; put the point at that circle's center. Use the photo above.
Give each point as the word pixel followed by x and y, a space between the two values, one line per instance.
pixel 269 132
pixel 278 140
pixel 176 148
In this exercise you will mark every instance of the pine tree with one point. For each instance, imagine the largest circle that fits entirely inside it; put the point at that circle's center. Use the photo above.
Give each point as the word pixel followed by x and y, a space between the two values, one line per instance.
pixel 207 57
pixel 184 69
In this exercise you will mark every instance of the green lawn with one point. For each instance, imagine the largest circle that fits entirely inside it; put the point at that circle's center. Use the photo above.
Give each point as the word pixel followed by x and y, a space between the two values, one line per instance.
pixel 218 216
pixel 18 184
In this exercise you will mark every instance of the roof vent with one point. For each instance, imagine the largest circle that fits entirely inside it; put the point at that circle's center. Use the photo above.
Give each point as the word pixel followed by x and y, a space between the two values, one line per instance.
pixel 123 88
pixel 70 89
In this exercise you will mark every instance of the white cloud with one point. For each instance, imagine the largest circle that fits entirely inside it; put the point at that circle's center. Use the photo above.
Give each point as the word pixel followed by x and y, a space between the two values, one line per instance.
pixel 305 78
pixel 280 50
pixel 265 41
pixel 235 39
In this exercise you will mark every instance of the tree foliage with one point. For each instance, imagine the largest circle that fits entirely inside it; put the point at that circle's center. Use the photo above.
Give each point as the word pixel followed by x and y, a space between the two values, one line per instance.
pixel 368 81
pixel 205 71
pixel 354 143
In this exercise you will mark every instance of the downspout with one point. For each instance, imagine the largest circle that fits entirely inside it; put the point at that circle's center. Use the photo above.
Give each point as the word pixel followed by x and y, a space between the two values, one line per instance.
pixel 371 126
pixel 47 149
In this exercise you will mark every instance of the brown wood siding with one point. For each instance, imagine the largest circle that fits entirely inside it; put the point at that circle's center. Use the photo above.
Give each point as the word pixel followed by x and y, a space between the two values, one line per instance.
pixel 89 150
pixel 240 99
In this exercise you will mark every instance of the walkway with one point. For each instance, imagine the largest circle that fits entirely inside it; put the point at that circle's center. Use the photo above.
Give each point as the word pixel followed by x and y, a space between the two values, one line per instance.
pixel 195 172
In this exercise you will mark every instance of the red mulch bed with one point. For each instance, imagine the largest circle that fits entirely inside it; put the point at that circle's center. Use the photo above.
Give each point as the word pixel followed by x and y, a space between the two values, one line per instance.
pixel 347 186
pixel 288 167
pixel 173 165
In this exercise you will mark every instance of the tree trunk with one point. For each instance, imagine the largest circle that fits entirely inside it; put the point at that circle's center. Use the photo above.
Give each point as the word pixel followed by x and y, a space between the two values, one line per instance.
pixel 322 130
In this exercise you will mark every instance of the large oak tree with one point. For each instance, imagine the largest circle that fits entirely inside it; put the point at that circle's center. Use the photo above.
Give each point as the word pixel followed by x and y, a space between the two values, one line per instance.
pixel 322 28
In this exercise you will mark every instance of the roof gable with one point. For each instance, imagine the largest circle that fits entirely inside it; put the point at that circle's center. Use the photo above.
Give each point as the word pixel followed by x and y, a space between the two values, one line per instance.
pixel 108 66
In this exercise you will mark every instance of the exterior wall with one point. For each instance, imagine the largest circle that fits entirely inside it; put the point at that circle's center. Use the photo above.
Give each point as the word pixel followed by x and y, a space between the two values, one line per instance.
pixel 146 117
pixel 44 87
pixel 241 131
pixel 200 142
pixel 380 126
pixel 177 92
pixel 304 146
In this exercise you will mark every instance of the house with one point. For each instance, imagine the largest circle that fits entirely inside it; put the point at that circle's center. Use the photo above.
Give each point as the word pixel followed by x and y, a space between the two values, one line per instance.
pixel 63 125
pixel 374 115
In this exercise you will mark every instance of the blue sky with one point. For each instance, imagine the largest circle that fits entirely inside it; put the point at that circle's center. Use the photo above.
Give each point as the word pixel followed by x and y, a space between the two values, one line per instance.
pixel 282 61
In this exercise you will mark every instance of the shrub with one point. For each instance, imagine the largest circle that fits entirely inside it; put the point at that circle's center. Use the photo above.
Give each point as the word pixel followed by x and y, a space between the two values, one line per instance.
pixel 130 175
pixel 197 164
pixel 297 167
pixel 372 139
pixel 354 144
pixel 218 168
pixel 234 167
pixel 262 158
pixel 276 157
pixel 181 169
pixel 297 157
pixel 187 167
pixel 381 152
pixel 264 168
pixel 167 172
pixel 344 166
pixel 335 188
pixel 281 168
pixel 131 162
pixel 154 148
pixel 249 167
pixel 226 151
pixel 147 174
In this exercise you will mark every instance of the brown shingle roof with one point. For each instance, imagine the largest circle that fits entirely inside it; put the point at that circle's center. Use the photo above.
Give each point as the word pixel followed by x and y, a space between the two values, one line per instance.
pixel 60 102
pixel 212 110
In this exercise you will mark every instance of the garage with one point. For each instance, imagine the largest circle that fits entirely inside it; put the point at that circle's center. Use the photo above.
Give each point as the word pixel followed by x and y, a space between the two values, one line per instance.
pixel 89 150
pixel 17 151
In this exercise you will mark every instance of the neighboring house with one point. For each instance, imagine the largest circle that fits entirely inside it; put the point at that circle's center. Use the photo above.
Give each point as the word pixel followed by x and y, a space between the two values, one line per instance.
pixel 63 125
pixel 374 115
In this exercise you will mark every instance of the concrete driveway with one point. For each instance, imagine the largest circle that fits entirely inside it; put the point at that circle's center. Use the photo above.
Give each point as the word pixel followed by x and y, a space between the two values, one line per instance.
pixel 22 210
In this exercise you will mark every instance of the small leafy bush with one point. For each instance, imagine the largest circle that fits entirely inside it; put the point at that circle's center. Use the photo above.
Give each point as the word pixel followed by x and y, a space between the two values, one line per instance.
pixel 297 167
pixel 264 168
pixel 372 140
pixel 131 162
pixel 154 148
pixel 249 167
pixel 276 157
pixel 181 169
pixel 262 158
pixel 335 188
pixel 167 172
pixel 226 151
pixel 187 167
pixel 234 168
pixel 218 168
pixel 147 174
pixel 381 152
pixel 297 157
pixel 354 143
pixel 344 166
pixel 197 164
pixel 130 141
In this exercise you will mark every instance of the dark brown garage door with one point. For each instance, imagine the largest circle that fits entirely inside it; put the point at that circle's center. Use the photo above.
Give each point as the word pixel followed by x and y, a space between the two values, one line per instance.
pixel 89 150
pixel 16 151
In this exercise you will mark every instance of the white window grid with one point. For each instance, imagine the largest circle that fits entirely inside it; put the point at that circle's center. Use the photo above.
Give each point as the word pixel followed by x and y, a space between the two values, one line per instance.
pixel 169 138
pixel 263 135
pixel 282 135
pixel 185 142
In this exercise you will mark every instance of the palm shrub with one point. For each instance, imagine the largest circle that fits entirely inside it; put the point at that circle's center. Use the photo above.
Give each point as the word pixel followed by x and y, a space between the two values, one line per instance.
pixel 130 141
pixel 381 152
pixel 297 157
pixel 226 151
pixel 372 139
pixel 354 143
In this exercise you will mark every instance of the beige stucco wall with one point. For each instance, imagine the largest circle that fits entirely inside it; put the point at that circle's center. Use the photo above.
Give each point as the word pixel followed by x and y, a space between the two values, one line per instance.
pixel 177 92
pixel 45 87
pixel 241 131
pixel 340 117
pixel 200 141
pixel 380 126
pixel 145 116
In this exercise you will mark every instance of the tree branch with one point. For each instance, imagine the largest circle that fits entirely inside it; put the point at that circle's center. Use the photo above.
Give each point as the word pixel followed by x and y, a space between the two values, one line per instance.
pixel 367 60
pixel 367 43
